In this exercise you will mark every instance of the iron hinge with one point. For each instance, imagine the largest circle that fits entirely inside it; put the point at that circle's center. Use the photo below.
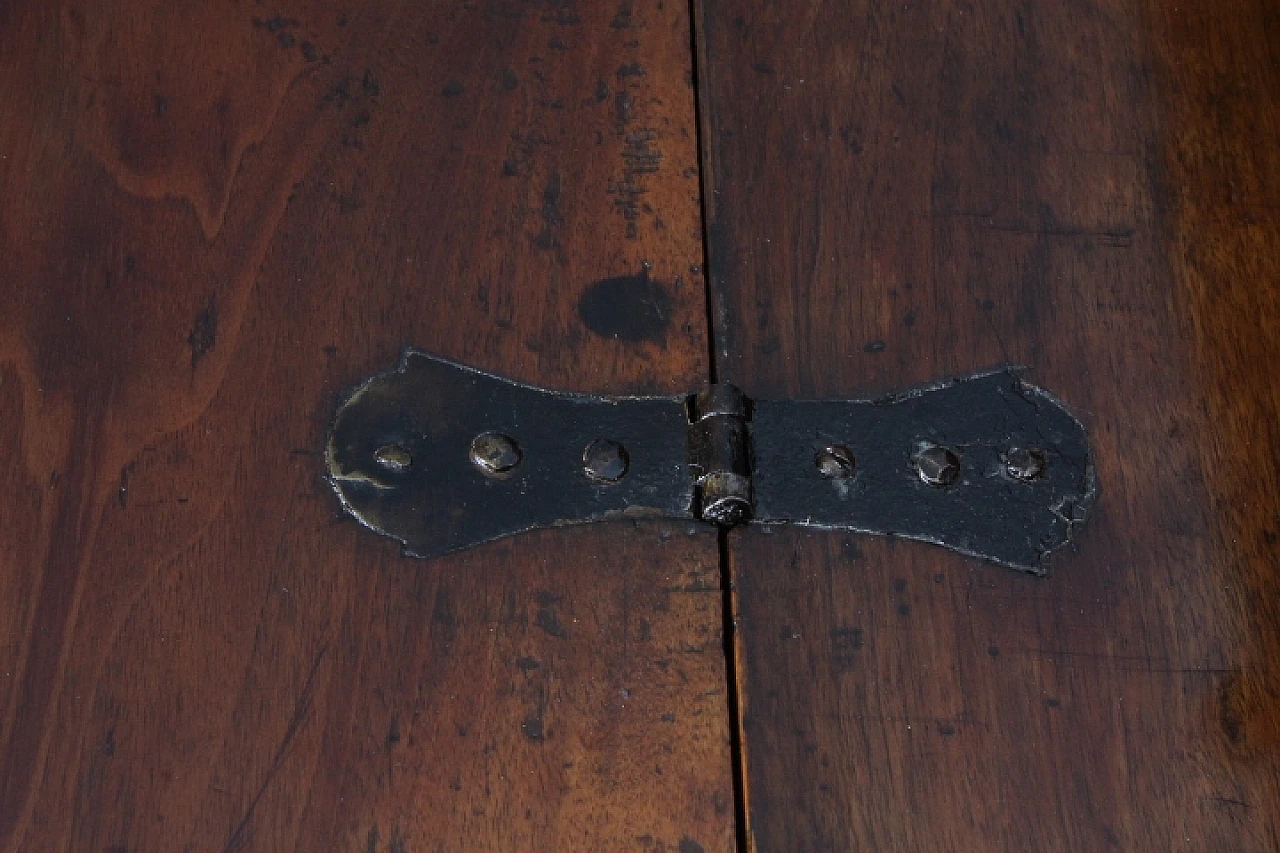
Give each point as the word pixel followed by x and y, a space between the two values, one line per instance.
pixel 442 457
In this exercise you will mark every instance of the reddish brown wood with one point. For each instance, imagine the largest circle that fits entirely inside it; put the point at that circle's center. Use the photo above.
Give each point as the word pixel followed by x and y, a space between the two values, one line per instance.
pixel 907 191
pixel 214 218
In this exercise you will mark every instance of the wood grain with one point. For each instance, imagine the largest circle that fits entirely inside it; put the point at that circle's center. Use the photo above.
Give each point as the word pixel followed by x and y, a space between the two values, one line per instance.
pixel 214 219
pixel 906 192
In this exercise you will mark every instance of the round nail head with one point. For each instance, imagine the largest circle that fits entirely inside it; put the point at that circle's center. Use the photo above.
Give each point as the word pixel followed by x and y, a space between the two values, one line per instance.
pixel 393 457
pixel 494 453
pixel 605 461
pixel 1025 463
pixel 835 462
pixel 937 466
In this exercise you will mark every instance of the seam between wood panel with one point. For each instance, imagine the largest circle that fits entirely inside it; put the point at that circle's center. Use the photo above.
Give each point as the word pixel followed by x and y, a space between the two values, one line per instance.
pixel 732 669
pixel 705 189
pixel 697 59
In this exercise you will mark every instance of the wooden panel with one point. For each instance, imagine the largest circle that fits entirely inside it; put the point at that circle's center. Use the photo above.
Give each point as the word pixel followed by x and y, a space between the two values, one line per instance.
pixel 904 192
pixel 214 218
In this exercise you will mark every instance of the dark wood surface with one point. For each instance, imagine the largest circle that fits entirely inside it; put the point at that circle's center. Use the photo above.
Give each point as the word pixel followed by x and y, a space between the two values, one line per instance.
pixel 212 220
pixel 900 192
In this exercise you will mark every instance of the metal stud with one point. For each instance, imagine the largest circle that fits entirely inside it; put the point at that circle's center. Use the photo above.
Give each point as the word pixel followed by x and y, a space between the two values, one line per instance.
pixel 605 461
pixel 393 457
pixel 835 462
pixel 936 465
pixel 1024 463
pixel 494 453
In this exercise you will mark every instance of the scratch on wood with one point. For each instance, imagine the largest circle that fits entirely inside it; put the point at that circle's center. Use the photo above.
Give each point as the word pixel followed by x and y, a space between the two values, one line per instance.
pixel 301 710
pixel 122 492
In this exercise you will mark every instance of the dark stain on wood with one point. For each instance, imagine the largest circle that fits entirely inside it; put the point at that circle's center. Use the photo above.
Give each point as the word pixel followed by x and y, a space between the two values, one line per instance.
pixel 552 216
pixel 546 617
pixel 622 107
pixel 393 732
pixel 630 308
pixel 532 728
pixel 845 644
pixel 203 336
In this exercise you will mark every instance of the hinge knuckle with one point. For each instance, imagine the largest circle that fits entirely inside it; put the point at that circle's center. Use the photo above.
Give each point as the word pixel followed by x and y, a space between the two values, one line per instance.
pixel 720 455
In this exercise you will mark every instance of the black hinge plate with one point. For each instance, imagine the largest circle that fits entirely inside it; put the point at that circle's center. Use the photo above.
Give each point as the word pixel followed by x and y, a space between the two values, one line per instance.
pixel 986 511
pixel 401 458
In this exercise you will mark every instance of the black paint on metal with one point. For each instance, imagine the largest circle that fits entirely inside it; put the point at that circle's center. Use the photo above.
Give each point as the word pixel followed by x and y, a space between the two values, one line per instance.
pixel 985 511
pixel 443 502
pixel 1024 486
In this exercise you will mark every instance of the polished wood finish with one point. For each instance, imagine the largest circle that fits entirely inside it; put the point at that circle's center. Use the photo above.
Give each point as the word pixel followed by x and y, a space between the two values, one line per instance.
pixel 900 192
pixel 213 219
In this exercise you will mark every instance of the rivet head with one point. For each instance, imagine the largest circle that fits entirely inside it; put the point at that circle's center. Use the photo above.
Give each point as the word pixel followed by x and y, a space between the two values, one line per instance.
pixel 835 462
pixel 494 453
pixel 936 465
pixel 605 461
pixel 393 457
pixel 1024 463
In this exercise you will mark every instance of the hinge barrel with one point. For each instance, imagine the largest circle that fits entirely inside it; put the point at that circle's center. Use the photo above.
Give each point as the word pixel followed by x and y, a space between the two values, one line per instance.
pixel 720 455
